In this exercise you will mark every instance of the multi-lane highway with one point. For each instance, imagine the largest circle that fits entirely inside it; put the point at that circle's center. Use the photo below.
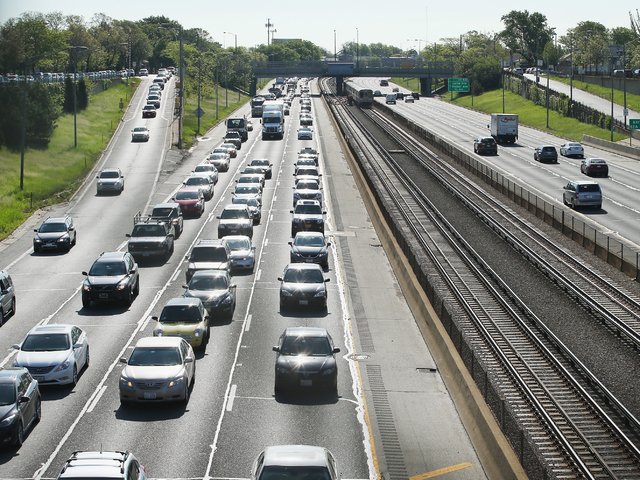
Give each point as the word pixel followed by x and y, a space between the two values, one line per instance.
pixel 620 210
pixel 389 391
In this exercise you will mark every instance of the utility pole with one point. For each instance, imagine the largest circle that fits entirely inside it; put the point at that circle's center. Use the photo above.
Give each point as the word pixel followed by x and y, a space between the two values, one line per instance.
pixel 268 25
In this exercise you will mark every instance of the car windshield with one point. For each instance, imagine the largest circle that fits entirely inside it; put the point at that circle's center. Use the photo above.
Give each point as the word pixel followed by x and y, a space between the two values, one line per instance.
pixel 208 283
pixel 308 210
pixel 239 243
pixel 180 314
pixel 574 145
pixel 235 123
pixel 299 275
pixel 308 241
pixel 109 175
pixel 252 202
pixel 244 179
pixel 308 185
pixel 229 214
pixel 187 196
pixel 7 394
pixel 246 189
pixel 53 227
pixel 307 346
pixel 307 171
pixel 218 153
pixel 148 357
pixel 593 161
pixel 271 120
pixel 140 129
pixel 46 343
pixel 148 231
pixel 592 187
pixel 305 161
pixel 208 254
pixel 548 149
pixel 107 269
pixel 488 140
pixel 294 473
pixel 260 162
pixel 204 168
pixel 197 181
pixel 253 170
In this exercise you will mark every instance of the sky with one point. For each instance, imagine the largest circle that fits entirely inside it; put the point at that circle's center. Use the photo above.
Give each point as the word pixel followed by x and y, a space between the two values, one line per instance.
pixel 408 25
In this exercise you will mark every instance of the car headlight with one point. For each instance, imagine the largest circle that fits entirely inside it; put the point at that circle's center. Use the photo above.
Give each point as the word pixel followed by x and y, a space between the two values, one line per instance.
pixel 64 365
pixel 322 254
pixel 197 332
pixel 284 369
pixel 296 220
pixel 86 286
pixel 8 420
pixel 122 284
pixel 64 238
pixel 37 240
pixel 320 294
pixel 158 332
pixel 176 382
pixel 296 254
pixel 286 293
pixel 226 300
pixel 125 382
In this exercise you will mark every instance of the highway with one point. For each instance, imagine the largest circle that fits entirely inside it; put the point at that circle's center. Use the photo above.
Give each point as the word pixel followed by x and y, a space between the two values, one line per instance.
pixel 233 413
pixel 620 189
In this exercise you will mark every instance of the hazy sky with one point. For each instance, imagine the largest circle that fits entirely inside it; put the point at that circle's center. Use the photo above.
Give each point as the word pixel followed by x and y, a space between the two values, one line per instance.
pixel 369 22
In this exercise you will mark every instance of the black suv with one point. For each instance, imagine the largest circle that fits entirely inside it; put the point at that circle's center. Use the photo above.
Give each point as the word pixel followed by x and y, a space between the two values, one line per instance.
pixel 7 296
pixel 151 238
pixel 485 145
pixel 55 234
pixel 209 255
pixel 20 404
pixel 169 212
pixel 113 276
pixel 307 215
pixel 235 219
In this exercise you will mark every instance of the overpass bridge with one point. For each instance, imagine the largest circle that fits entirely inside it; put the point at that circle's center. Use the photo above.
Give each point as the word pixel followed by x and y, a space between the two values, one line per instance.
pixel 426 71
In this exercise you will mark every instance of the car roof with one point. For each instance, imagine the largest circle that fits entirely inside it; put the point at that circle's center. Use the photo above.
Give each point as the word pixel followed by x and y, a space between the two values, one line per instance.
pixel 307 202
pixel 293 455
pixel 110 170
pixel 159 342
pixel 210 273
pixel 184 302
pixel 56 220
pixel 109 256
pixel 51 328
pixel 9 374
pixel 303 266
pixel 87 464
pixel 307 331
pixel 235 206
pixel 168 205
pixel 585 182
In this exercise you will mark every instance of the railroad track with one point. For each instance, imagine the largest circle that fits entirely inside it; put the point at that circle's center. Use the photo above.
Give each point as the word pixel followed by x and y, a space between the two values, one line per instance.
pixel 580 430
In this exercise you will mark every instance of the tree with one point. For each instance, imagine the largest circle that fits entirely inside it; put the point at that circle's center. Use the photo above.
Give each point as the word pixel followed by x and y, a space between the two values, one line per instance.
pixel 590 42
pixel 526 33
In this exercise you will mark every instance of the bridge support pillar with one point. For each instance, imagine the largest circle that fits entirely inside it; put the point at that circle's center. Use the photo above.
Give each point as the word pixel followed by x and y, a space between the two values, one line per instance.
pixel 253 88
pixel 339 84
pixel 425 87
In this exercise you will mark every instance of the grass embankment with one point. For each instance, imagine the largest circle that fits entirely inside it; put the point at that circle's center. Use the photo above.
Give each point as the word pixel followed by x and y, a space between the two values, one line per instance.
pixel 529 114
pixel 52 175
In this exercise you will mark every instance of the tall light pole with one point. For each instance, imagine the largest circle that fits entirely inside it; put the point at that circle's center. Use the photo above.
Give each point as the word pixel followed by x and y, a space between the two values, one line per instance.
pixel 75 88
pixel 236 40
pixel 169 26
pixel 335 51
pixel 357 48
pixel 268 25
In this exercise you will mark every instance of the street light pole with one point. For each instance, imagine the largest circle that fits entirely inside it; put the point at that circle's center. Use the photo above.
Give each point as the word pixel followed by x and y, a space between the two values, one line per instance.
pixel 357 48
pixel 335 51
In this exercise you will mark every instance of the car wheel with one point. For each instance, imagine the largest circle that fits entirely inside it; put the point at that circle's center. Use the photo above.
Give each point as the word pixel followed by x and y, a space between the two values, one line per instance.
pixel 325 265
pixel 75 239
pixel 186 394
pixel 137 289
pixel 1 316
pixel 36 249
pixel 38 413
pixel 13 307
pixel 87 360
pixel 19 435
pixel 86 303
pixel 129 299
pixel 598 207
pixel 74 380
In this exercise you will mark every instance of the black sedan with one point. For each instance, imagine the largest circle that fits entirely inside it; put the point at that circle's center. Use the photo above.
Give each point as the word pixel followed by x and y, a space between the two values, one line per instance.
pixel 305 360
pixel 310 247
pixel 485 145
pixel 303 284
pixel 217 291
pixel 20 404
pixel 113 276
pixel 594 166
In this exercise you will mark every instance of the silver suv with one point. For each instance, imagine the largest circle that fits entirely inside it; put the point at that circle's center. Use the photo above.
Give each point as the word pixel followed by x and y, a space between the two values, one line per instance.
pixel 113 465
pixel 582 193
pixel 7 296
pixel 295 461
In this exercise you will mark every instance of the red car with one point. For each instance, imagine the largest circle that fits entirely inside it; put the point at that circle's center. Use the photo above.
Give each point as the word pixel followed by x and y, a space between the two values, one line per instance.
pixel 191 200
pixel 148 111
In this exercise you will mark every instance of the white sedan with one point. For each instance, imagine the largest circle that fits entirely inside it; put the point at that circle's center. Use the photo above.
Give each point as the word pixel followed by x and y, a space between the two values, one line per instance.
pixel 54 354
pixel 305 133
pixel 140 134
pixel 572 149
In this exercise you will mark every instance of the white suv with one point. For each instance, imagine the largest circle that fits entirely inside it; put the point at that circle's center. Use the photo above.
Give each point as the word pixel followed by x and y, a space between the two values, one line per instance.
pixel 116 465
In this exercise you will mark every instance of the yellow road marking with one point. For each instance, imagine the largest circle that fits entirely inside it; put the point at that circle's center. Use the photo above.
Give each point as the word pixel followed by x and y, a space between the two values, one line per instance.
pixel 442 471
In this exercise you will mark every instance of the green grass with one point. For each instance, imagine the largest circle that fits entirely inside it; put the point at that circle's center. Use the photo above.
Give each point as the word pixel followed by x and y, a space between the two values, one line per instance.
pixel 532 115
pixel 53 174
pixel 208 120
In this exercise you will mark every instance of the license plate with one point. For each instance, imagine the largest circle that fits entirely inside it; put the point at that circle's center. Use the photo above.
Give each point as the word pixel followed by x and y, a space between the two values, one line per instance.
pixel 309 260
pixel 306 383
pixel 303 302
pixel 149 395
pixel 234 231
pixel 588 196
pixel 103 295
pixel 308 225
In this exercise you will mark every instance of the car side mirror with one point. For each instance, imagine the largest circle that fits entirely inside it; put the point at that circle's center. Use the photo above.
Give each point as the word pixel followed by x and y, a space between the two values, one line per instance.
pixel 290 243
pixel 327 280
pixel 280 279
pixel 24 399
pixel 85 274
pixel 336 350
pixel 207 317
pixel 188 360
pixel 328 244
pixel 123 360
pixel 253 248
pixel 35 230
pixel 185 286
pixel 276 348
pixel 128 235
pixel 77 345
pixel 16 346
pixel 290 211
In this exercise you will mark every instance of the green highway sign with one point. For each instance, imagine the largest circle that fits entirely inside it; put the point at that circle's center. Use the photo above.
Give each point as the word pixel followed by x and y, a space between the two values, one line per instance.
pixel 634 123
pixel 458 84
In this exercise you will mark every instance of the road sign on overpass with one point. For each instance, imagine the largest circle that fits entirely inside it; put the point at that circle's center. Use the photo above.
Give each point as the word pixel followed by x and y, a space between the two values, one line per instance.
pixel 458 84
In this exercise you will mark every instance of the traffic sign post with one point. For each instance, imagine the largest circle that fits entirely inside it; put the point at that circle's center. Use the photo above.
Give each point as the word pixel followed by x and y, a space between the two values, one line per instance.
pixel 634 124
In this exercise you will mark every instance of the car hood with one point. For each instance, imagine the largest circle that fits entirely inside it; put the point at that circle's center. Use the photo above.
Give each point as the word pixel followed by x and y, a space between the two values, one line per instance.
pixel 304 288
pixel 110 280
pixel 308 250
pixel 48 236
pixel 147 239
pixel 187 203
pixel 41 359
pixel 303 363
pixel 235 221
pixel 163 372
pixel 178 328
pixel 207 295
pixel 109 180
pixel 312 216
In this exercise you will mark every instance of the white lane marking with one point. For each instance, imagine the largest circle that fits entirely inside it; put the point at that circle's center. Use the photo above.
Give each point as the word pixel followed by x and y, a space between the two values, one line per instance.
pixel 258 275
pixel 18 259
pixel 175 275
pixel 266 242
pixel 48 319
pixel 232 396
pixel 96 399
pixel 248 326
